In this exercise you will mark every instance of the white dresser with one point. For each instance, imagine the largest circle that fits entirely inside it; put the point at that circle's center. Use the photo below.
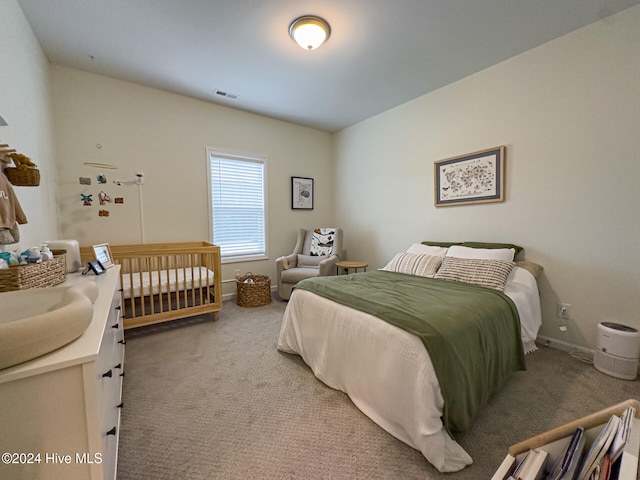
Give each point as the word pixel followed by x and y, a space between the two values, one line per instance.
pixel 60 413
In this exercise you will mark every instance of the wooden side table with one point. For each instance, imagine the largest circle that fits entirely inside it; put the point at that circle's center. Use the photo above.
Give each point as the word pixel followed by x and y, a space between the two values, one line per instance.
pixel 347 264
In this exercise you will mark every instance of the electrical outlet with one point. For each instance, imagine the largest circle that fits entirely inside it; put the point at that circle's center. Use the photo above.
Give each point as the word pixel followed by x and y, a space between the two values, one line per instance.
pixel 564 311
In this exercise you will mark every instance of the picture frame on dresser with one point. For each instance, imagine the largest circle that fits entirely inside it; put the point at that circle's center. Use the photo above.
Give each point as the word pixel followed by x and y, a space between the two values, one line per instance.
pixel 103 255
pixel 301 193
pixel 476 177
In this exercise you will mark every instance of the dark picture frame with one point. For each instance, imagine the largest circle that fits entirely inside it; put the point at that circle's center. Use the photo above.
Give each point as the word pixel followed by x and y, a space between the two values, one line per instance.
pixel 301 193
pixel 476 177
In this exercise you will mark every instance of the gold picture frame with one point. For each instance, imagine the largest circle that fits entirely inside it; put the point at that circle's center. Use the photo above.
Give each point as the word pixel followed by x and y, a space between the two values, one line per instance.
pixel 103 254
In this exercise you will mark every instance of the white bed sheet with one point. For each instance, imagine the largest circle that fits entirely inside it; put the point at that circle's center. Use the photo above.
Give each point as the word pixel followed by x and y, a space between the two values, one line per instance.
pixel 172 280
pixel 386 371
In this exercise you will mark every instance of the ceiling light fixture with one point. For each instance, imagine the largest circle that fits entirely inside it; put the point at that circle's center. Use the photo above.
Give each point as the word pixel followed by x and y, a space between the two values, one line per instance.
pixel 309 31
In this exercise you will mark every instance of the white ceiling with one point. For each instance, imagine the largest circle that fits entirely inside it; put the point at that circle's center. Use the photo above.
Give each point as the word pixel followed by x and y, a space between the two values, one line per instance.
pixel 381 53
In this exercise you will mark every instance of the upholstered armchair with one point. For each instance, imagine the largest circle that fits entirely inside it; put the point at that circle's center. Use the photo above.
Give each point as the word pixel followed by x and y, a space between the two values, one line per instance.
pixel 315 255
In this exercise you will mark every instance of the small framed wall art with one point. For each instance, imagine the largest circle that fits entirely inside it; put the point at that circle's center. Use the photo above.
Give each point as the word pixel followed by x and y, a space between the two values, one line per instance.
pixel 476 177
pixel 103 254
pixel 301 193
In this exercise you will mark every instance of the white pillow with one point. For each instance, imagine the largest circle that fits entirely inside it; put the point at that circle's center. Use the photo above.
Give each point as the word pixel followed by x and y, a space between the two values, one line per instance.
pixel 459 251
pixel 420 249
pixel 412 264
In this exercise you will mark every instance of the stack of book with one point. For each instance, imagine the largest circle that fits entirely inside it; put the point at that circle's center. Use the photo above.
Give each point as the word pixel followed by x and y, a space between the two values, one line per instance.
pixel 572 453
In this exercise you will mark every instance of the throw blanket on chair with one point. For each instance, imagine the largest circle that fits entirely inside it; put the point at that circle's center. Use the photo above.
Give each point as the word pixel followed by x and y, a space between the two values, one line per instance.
pixel 322 242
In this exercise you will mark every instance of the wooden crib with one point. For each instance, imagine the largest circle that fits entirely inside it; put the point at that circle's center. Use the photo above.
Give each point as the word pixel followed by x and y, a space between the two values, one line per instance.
pixel 166 281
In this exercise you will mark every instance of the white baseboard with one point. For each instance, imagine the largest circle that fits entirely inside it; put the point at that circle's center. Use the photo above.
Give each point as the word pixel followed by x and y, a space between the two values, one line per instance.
pixel 564 346
pixel 583 353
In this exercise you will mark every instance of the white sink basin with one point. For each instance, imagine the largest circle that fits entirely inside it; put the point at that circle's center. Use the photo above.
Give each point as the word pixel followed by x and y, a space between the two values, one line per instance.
pixel 37 321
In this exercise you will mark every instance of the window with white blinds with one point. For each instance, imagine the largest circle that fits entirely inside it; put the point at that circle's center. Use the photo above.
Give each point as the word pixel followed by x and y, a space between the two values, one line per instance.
pixel 238 219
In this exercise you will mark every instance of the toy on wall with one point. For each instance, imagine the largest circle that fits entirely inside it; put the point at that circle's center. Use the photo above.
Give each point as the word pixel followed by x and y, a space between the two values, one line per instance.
pixel 103 213
pixel 119 200
pixel 103 198
pixel 86 199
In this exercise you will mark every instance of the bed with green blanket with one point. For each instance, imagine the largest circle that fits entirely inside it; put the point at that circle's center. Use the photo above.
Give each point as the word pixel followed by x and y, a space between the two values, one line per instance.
pixel 420 356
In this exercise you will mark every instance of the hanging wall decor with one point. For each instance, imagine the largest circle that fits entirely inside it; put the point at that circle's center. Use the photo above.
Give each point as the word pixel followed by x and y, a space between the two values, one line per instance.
pixel 477 177
pixel 103 198
pixel 301 193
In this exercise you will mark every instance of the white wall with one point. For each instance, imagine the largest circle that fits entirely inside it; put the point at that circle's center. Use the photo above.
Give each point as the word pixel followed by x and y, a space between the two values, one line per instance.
pixel 165 136
pixel 25 106
pixel 569 115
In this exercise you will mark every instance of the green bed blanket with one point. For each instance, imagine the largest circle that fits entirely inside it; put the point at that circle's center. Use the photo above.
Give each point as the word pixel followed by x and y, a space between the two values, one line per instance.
pixel 472 333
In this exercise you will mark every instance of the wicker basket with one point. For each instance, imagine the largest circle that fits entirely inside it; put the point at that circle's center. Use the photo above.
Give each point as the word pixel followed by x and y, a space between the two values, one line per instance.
pixel 21 177
pixel 34 275
pixel 254 294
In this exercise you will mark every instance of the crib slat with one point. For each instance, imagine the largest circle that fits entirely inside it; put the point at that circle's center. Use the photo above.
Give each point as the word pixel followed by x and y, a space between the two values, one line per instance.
pixel 192 266
pixel 149 269
pixel 199 262
pixel 185 273
pixel 132 296
pixel 169 264
pixel 163 265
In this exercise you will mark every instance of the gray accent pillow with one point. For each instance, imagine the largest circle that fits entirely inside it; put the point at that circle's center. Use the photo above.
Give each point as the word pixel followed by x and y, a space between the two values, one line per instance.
pixel 309 260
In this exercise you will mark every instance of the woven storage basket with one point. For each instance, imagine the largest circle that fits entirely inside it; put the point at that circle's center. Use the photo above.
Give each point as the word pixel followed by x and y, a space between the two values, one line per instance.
pixel 34 275
pixel 254 294
pixel 20 177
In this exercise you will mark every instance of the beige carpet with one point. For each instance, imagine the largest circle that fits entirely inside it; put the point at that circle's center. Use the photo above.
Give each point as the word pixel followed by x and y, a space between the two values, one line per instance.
pixel 205 400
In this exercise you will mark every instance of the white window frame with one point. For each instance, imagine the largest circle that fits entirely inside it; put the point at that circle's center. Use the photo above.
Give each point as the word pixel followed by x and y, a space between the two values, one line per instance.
pixel 246 158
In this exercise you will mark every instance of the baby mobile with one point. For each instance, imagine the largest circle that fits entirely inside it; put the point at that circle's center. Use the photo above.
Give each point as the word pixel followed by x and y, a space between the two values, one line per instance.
pixel 104 197
pixel 101 179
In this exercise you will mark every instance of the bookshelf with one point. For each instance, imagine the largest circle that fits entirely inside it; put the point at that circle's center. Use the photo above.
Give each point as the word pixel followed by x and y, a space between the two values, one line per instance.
pixel 556 440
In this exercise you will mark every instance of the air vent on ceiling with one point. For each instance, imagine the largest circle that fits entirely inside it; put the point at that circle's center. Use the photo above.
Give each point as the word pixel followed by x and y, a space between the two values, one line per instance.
pixel 222 93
